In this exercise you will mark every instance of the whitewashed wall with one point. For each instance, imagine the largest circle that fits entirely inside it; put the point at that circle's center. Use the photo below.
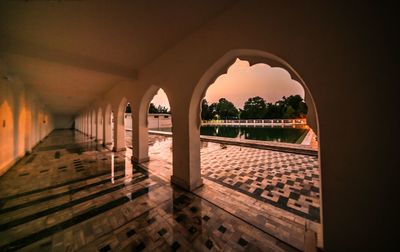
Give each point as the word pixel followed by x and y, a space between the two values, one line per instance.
pixel 24 120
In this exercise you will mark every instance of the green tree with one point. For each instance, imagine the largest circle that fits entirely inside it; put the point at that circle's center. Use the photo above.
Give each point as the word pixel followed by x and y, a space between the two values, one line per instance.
pixel 290 113
pixel 162 110
pixel 288 107
pixel 207 111
pixel 254 108
pixel 152 109
pixel 212 111
pixel 302 110
pixel 204 110
pixel 272 112
pixel 128 109
pixel 226 110
pixel 158 110
pixel 294 107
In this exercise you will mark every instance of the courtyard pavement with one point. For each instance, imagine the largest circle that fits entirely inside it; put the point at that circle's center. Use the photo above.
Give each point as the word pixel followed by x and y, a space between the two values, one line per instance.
pixel 286 180
pixel 276 191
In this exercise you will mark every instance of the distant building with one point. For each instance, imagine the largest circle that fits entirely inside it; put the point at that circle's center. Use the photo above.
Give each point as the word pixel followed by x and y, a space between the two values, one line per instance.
pixel 155 121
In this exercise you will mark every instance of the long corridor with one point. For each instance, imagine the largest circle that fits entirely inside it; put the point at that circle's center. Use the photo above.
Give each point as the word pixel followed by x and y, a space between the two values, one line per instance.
pixel 72 194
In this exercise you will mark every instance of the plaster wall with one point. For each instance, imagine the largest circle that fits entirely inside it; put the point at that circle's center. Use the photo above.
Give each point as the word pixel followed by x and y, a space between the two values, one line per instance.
pixel 159 121
pixel 24 120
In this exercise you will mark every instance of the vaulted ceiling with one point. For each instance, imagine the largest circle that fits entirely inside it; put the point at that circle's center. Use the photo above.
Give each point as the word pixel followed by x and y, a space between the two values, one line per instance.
pixel 71 52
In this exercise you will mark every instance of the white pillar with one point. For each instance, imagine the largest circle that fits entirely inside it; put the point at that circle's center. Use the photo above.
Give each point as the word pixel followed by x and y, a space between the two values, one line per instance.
pixel 99 126
pixel 140 138
pixel 119 133
pixel 186 151
pixel 107 128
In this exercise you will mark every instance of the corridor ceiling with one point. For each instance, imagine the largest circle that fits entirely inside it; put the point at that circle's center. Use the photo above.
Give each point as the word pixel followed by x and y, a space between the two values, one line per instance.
pixel 71 52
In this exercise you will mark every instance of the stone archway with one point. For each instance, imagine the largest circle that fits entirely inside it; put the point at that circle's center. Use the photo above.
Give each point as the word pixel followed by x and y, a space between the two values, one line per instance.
pixel 139 127
pixel 220 67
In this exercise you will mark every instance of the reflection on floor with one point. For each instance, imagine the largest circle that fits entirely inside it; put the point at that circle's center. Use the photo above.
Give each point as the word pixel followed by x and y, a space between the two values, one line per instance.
pixel 285 180
pixel 242 180
pixel 71 194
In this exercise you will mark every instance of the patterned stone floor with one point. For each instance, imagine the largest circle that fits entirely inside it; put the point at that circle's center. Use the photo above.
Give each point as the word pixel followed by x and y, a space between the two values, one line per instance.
pixel 285 180
pixel 70 194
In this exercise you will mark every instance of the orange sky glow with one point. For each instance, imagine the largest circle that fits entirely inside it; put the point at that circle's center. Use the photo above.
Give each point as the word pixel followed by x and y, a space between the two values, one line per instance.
pixel 243 81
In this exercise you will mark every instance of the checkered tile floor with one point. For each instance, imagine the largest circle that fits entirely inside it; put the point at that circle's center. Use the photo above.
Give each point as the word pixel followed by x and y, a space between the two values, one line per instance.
pixel 285 180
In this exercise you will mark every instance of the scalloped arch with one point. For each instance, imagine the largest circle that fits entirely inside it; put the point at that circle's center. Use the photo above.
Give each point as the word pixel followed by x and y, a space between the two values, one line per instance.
pixel 221 67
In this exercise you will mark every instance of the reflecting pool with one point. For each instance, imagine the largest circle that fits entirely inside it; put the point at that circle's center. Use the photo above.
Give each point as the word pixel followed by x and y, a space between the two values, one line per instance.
pixel 286 134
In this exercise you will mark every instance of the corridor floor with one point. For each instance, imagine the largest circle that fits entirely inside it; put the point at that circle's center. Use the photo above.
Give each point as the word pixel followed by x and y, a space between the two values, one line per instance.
pixel 71 194
pixel 286 180
pixel 276 191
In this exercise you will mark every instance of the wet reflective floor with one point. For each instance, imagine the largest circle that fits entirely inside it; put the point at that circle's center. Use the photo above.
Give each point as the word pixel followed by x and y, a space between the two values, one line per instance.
pixel 71 194
pixel 285 180
pixel 275 191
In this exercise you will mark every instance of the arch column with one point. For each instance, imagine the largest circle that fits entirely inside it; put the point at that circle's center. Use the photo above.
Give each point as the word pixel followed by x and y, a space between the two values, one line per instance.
pixel 95 125
pixel 186 150
pixel 140 138
pixel 87 125
pixel 119 133
pixel 92 126
pixel 107 128
pixel 84 124
pixel 99 126
pixel 80 123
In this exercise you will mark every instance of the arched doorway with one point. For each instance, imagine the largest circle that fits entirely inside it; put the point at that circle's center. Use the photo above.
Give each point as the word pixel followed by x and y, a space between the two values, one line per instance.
pixel 159 125
pixel 253 184
pixel 128 126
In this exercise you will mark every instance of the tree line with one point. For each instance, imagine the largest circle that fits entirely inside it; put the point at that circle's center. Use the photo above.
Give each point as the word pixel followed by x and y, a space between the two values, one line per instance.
pixel 152 109
pixel 291 107
pixel 158 110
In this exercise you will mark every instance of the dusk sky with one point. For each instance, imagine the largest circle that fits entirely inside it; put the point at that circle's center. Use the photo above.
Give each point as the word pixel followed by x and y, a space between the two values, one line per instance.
pixel 243 81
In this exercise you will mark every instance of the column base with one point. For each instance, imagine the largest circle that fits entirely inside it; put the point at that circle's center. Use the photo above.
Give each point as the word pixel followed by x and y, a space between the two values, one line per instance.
pixel 140 160
pixel 183 184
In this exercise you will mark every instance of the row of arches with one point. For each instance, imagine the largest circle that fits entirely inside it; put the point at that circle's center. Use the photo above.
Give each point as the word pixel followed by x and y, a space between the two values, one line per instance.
pixel 104 122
